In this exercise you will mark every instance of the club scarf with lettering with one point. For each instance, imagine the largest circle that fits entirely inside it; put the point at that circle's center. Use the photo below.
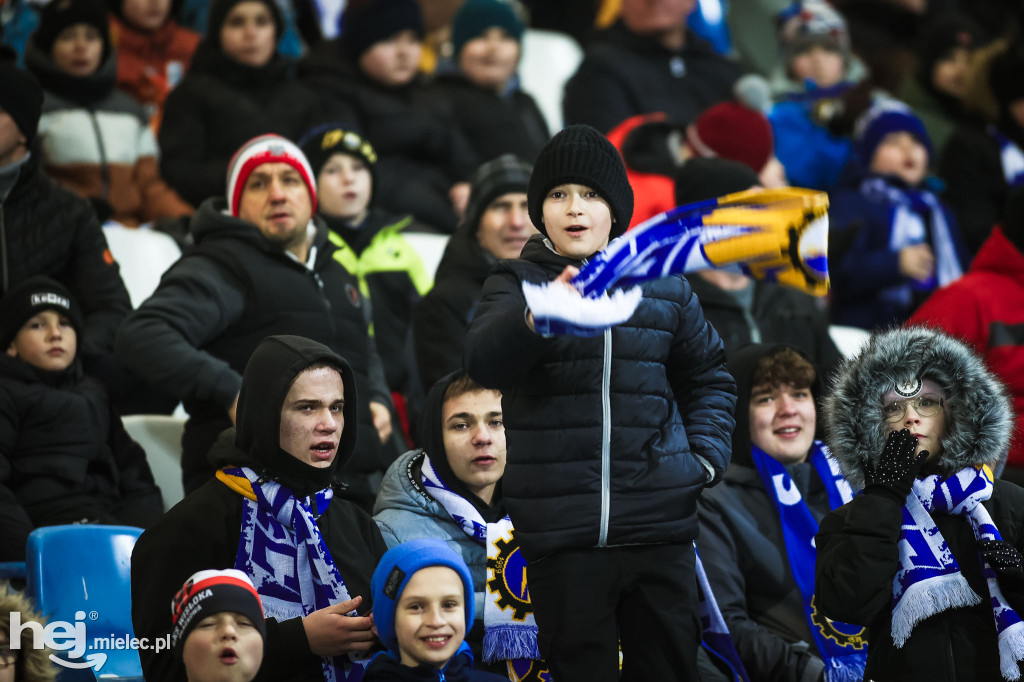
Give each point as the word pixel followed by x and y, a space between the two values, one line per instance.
pixel 929 581
pixel 717 640
pixel 843 647
pixel 280 548
pixel 510 630
pixel 1010 157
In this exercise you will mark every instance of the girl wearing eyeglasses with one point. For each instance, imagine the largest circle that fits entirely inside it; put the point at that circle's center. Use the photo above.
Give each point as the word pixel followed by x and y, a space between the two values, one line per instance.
pixel 928 554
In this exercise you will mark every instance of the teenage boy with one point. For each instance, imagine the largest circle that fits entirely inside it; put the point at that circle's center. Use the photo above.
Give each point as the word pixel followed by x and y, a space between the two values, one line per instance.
pixel 218 627
pixel 450 488
pixel 421 602
pixel 611 439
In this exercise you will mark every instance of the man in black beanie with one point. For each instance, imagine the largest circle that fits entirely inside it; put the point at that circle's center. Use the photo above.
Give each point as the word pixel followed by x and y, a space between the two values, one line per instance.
pixel 611 439
pixel 496 226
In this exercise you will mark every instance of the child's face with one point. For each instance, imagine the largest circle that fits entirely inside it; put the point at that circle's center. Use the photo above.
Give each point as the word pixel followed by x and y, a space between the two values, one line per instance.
pixel 248 34
pixel 902 155
pixel 951 74
pixel 46 341
pixel 819 64
pixel 430 619
pixel 394 61
pixel 578 220
pixel 147 14
pixel 78 50
pixel 928 430
pixel 224 647
pixel 474 440
pixel 344 187
pixel 490 59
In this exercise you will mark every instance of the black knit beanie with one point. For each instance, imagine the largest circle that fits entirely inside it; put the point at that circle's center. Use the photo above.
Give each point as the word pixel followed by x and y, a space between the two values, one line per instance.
pixel 61 14
pixel 366 22
pixel 21 97
pixel 505 174
pixel 33 296
pixel 220 9
pixel 699 179
pixel 208 593
pixel 475 17
pixel 940 36
pixel 324 141
pixel 580 154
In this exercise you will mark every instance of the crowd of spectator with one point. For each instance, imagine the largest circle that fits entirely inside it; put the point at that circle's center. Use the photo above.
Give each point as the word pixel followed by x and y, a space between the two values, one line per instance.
pixel 290 147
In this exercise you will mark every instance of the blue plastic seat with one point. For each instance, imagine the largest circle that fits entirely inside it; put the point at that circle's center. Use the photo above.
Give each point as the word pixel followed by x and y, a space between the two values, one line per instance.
pixel 81 574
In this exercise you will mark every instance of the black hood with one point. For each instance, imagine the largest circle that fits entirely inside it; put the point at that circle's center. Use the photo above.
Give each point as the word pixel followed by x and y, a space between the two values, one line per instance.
pixel 82 90
pixel 431 438
pixel 257 434
pixel 742 363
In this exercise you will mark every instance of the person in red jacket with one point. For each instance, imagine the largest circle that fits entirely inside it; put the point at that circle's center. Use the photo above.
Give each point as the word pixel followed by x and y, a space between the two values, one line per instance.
pixel 985 308
pixel 153 51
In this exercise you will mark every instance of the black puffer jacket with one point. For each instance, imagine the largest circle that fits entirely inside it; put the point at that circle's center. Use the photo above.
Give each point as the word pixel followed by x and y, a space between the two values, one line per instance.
pixel 194 335
pixel 202 531
pixel 65 455
pixel 494 124
pixel 624 74
pixel 858 544
pixel 440 319
pixel 49 231
pixel 420 153
pixel 219 105
pixel 610 439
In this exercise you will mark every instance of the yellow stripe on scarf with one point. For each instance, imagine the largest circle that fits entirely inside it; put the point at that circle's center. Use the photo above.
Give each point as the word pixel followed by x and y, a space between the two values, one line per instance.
pixel 240 484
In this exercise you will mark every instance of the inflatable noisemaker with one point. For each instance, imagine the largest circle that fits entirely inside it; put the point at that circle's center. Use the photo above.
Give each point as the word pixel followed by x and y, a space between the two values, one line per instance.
pixel 775 235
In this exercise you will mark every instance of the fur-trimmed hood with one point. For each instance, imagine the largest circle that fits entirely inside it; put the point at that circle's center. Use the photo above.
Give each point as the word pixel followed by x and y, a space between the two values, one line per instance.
pixel 979 415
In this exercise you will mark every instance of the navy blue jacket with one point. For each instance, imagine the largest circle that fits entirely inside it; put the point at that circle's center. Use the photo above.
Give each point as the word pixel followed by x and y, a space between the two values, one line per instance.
pixel 610 439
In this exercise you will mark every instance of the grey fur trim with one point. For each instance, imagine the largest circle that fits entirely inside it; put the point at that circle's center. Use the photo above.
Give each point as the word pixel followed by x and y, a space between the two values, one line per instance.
pixel 978 411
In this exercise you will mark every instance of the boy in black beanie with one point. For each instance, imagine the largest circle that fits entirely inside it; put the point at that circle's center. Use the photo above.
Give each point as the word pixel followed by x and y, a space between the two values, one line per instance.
pixel 64 453
pixel 610 439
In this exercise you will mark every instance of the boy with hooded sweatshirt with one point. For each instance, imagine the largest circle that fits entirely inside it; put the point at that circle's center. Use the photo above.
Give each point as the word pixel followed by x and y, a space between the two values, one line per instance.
pixel 611 438
pixel 64 453
pixel 277 512
pixel 928 556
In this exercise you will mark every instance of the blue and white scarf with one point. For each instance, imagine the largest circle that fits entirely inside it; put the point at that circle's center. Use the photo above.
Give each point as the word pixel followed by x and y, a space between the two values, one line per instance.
pixel 929 581
pixel 510 630
pixel 1010 157
pixel 907 227
pixel 843 647
pixel 717 640
pixel 280 548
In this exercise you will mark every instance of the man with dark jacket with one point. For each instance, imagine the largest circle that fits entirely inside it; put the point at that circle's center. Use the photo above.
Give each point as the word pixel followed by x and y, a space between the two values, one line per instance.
pixel 648 61
pixel 611 439
pixel 746 542
pixel 261 266
pixel 309 552
pixel 47 230
pixel 497 226
pixel 741 309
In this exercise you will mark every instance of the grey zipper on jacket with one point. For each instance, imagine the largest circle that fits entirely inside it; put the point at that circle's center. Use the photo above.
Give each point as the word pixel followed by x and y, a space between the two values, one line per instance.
pixel 606 438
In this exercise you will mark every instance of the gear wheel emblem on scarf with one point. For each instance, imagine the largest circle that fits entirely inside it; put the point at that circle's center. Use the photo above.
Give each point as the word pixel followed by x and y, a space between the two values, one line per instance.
pixel 834 630
pixel 509 581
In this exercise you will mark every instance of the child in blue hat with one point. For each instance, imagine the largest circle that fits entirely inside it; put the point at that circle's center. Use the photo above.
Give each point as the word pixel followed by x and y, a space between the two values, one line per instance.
pixel 422 601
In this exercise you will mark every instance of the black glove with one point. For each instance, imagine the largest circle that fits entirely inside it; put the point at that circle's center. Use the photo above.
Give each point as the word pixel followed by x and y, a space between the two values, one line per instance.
pixel 1003 557
pixel 898 467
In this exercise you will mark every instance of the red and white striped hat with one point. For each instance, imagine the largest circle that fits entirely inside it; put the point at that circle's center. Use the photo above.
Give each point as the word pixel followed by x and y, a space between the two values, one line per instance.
pixel 210 592
pixel 261 150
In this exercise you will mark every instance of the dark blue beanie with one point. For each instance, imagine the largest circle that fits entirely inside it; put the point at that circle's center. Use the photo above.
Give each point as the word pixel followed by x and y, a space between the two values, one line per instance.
pixel 476 16
pixel 395 570
pixel 884 117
